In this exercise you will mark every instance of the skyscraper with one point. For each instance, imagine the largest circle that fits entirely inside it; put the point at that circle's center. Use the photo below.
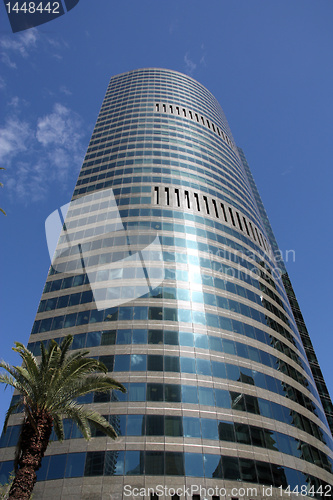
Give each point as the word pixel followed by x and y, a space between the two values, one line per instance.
pixel 165 270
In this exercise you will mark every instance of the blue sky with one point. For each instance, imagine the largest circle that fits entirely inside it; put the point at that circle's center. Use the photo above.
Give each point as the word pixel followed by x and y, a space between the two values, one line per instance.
pixel 268 63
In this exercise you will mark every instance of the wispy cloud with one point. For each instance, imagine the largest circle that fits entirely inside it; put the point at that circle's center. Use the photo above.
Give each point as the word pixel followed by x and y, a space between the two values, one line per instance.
pixel 190 65
pixel 41 154
pixel 24 44
pixel 65 90
pixel 14 138
pixel 20 45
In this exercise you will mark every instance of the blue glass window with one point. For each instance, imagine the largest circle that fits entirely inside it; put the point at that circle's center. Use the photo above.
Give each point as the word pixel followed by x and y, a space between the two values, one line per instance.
pixel 203 367
pixel 114 463
pixel 206 396
pixel 134 463
pixel 57 466
pixel 201 341
pixel 230 468
pixel 155 392
pixel 124 337
pixel 174 464
pixel 264 473
pixel 155 362
pixel 172 393
pixel 222 398
pixel 215 344
pixel 171 364
pixel 209 429
pixel 171 338
pixel 122 363
pixel 233 372
pixel 173 426
pixel 41 473
pixel 75 465
pixel 139 337
pixel 226 431
pixel 218 369
pixel 154 463
pixel 137 392
pixel 229 346
pixel 187 365
pixel 247 470
pixel 186 339
pixel 213 466
pixel 82 319
pixel 242 432
pixel 189 394
pixel 93 339
pixel 155 336
pixel 193 464
pixel 138 362
pixel 154 425
pixel 184 315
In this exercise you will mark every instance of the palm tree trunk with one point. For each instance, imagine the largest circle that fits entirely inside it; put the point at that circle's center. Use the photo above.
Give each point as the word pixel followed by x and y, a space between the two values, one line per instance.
pixel 32 448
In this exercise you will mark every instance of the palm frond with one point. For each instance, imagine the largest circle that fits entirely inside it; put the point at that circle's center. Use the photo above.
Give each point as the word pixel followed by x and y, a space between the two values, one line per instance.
pixel 58 427
pixel 12 409
pixel 100 423
pixel 29 360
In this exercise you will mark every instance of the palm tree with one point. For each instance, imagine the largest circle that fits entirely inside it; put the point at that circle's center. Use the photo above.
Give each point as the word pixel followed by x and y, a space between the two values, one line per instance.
pixel 48 392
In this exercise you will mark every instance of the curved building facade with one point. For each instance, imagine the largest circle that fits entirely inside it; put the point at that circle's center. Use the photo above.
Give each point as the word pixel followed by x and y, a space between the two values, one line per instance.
pixel 164 270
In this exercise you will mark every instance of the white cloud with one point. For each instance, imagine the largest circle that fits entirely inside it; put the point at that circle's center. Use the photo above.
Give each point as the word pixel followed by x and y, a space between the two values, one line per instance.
pixel 190 66
pixel 20 45
pixel 40 155
pixel 60 128
pixel 13 138
pixel 65 90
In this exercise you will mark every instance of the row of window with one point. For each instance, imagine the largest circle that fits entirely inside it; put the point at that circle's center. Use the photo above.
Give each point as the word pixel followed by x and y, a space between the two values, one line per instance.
pixel 188 339
pixel 226 170
pixel 176 364
pixel 215 343
pixel 155 273
pixel 207 396
pixel 206 367
pixel 191 427
pixel 160 463
pixel 167 314
pixel 138 110
pixel 237 257
pixel 222 175
pixel 167 180
pixel 192 115
pixel 191 200
pixel 257 255
pixel 163 133
pixel 155 313
pixel 131 292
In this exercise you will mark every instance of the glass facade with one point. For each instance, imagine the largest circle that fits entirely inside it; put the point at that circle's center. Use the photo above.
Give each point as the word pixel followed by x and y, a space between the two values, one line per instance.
pixel 165 271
